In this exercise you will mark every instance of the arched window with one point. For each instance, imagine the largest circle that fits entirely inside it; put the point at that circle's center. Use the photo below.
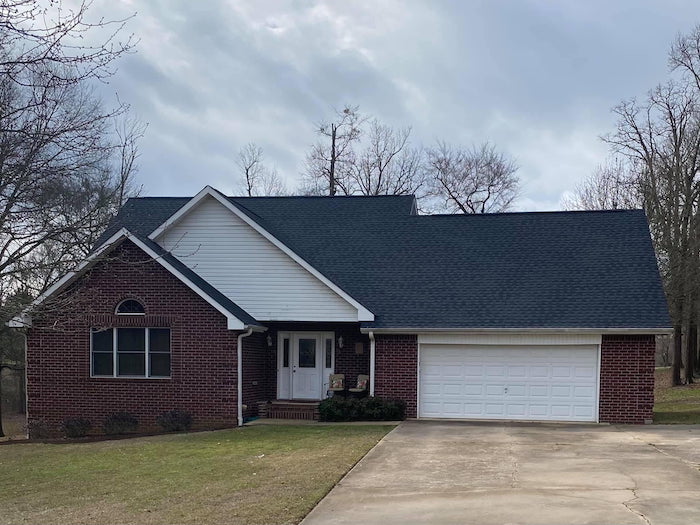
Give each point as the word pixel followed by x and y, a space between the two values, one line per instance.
pixel 130 307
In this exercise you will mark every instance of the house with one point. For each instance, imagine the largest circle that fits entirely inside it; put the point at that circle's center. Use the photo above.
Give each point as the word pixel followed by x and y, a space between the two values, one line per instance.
pixel 213 304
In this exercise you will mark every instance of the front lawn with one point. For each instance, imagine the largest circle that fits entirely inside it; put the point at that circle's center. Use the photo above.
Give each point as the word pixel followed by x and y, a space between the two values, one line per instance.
pixel 261 474
pixel 679 404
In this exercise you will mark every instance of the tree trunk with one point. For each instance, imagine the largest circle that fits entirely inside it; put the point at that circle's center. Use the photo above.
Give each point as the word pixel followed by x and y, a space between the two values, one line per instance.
pixel 677 353
pixel 331 181
pixel 692 341
pixel 2 433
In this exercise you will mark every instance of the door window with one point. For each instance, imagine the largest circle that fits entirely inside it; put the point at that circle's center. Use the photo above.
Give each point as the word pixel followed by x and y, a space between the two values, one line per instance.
pixel 307 353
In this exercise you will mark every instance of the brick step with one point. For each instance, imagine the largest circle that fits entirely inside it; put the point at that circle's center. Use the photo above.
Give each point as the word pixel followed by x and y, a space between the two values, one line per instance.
pixel 282 409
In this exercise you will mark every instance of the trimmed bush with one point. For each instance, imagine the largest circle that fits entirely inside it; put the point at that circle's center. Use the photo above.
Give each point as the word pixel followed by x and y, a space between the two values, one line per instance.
pixel 175 420
pixel 76 427
pixel 38 429
pixel 365 409
pixel 120 423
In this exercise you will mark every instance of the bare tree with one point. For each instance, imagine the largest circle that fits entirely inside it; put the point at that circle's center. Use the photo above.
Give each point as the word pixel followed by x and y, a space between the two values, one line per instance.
pixel 612 186
pixel 661 136
pixel 64 169
pixel 38 36
pixel 388 165
pixel 330 161
pixel 475 180
pixel 256 179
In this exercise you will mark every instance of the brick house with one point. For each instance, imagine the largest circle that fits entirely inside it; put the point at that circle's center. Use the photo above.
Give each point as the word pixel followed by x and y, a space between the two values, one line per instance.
pixel 214 304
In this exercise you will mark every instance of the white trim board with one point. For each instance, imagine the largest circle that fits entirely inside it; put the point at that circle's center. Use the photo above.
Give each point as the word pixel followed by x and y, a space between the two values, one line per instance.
pixel 510 338
pixel 363 314
pixel 23 320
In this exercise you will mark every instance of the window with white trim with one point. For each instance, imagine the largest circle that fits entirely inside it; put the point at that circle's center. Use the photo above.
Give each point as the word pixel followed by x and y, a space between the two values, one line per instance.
pixel 130 307
pixel 130 352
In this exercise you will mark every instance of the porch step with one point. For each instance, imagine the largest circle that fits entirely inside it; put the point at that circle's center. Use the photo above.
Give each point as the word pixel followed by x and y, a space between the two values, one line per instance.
pixel 283 409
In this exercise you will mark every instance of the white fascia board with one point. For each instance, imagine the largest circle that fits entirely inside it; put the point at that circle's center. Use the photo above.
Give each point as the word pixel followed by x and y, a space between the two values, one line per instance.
pixel 233 323
pixel 363 314
pixel 624 331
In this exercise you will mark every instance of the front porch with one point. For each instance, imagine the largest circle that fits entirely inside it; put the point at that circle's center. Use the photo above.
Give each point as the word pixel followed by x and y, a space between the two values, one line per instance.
pixel 297 360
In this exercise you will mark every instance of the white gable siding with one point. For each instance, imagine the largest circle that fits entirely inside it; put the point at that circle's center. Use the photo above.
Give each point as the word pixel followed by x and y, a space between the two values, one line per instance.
pixel 249 269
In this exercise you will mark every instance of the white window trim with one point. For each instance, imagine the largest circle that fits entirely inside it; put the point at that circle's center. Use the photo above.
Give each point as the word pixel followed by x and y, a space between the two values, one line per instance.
pixel 147 343
pixel 125 314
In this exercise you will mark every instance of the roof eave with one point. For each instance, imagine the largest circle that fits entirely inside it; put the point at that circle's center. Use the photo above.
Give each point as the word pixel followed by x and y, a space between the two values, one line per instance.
pixel 538 330
pixel 24 320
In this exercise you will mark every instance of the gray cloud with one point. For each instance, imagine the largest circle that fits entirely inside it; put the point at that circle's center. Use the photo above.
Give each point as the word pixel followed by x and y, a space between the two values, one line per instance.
pixel 536 78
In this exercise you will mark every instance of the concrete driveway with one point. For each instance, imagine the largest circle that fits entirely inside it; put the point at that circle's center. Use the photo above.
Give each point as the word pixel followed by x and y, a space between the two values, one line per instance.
pixel 510 473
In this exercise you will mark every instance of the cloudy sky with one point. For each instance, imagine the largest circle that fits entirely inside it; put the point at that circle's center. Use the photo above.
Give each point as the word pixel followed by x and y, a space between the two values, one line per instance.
pixel 537 78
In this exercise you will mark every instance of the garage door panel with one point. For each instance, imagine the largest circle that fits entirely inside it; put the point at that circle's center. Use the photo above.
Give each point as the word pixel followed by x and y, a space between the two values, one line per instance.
pixel 513 382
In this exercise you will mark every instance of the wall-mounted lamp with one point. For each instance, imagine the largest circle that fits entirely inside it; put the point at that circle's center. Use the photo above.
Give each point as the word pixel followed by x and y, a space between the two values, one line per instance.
pixel 269 340
pixel 340 342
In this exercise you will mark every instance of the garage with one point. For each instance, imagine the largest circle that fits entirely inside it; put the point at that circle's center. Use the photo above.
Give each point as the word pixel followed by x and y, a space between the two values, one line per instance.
pixel 509 378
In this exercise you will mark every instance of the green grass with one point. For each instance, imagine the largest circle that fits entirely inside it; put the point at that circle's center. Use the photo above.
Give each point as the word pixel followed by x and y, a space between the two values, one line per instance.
pixel 259 474
pixel 679 404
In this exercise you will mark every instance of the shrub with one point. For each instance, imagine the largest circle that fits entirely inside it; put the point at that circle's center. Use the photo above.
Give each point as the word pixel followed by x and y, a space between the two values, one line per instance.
pixel 38 429
pixel 120 423
pixel 365 409
pixel 76 427
pixel 175 420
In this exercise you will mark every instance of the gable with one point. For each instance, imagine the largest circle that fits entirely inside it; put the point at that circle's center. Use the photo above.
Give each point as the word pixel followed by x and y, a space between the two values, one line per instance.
pixel 249 269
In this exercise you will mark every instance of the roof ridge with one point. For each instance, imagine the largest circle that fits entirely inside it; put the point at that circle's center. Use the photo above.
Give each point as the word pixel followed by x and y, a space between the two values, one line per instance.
pixel 536 212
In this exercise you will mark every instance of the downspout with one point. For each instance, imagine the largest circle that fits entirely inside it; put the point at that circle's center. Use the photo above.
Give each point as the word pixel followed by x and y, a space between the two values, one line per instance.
pixel 372 351
pixel 239 359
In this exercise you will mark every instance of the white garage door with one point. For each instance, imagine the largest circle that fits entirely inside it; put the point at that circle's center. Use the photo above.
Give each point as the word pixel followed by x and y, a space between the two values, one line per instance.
pixel 550 383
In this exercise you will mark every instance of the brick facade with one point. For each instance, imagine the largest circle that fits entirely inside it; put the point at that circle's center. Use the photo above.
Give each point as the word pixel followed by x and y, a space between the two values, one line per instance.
pixel 203 356
pixel 627 378
pixel 203 350
pixel 396 369
pixel 259 372
pixel 626 375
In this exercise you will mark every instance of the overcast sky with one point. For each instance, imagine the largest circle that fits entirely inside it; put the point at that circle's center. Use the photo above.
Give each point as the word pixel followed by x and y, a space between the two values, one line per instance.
pixel 536 78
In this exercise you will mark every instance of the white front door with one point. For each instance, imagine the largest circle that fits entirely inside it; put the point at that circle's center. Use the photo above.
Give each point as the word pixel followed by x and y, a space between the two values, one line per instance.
pixel 307 366
pixel 304 364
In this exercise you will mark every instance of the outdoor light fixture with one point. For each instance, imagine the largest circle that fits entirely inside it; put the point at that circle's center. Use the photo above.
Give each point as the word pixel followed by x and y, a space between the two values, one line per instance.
pixel 269 340
pixel 340 342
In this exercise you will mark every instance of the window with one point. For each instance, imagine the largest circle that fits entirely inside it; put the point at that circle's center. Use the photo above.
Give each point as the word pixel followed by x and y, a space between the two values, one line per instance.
pixel 130 307
pixel 285 353
pixel 307 353
pixel 329 353
pixel 131 352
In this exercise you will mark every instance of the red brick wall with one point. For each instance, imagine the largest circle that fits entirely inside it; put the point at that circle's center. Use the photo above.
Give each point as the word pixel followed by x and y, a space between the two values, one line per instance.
pixel 259 372
pixel 627 378
pixel 203 350
pixel 396 369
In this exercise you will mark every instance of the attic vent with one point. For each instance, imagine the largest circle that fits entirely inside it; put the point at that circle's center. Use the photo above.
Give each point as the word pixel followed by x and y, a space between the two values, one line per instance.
pixel 130 307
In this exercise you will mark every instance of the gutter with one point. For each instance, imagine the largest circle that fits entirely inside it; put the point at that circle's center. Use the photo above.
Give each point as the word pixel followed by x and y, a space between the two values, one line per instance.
pixel 424 330
pixel 239 374
pixel 372 353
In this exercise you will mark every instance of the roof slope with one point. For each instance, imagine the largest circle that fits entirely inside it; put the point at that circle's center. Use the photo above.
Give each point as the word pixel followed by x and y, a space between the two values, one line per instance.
pixel 513 270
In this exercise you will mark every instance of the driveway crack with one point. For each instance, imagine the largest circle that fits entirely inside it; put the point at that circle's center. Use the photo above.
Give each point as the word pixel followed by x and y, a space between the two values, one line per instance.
pixel 633 511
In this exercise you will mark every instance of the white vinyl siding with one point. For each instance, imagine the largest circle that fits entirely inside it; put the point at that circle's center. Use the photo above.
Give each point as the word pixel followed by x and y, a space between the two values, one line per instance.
pixel 249 269
pixel 523 382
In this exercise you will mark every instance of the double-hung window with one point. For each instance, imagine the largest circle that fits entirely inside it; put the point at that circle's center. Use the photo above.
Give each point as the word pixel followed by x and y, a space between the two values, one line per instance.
pixel 130 352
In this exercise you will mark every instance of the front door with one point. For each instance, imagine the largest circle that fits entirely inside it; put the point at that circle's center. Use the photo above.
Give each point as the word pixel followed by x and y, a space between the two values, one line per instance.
pixel 305 361
pixel 306 371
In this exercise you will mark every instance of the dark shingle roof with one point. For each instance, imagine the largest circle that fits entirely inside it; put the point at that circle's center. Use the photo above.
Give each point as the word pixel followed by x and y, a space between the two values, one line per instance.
pixel 513 270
